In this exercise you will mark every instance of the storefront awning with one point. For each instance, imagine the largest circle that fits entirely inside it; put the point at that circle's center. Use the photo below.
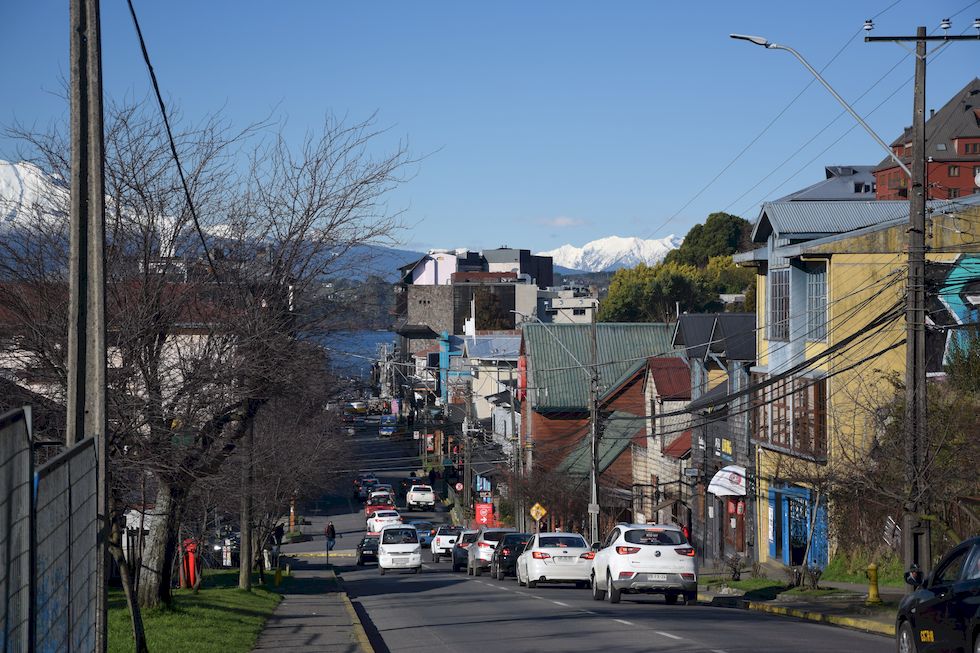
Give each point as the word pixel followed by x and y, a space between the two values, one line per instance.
pixel 728 482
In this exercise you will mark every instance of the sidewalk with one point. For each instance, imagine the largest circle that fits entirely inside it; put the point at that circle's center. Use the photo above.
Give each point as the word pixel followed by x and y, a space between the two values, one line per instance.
pixel 314 615
pixel 846 609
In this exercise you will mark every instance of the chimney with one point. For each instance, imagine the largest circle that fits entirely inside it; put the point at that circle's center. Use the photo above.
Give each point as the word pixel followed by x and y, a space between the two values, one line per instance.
pixel 932 112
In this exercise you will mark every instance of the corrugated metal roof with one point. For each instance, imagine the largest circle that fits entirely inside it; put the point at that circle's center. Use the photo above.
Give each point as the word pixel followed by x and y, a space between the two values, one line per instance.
pixel 839 185
pixel 680 447
pixel 733 336
pixel 617 433
pixel 694 333
pixel 796 219
pixel 493 347
pixel 555 353
pixel 672 378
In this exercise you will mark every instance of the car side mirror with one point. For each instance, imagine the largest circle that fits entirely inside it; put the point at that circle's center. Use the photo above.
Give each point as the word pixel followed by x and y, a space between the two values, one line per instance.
pixel 596 546
pixel 915 577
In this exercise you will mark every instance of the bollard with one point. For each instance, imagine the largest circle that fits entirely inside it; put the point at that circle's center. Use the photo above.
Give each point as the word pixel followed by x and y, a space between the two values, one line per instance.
pixel 289 569
pixel 278 576
pixel 872 574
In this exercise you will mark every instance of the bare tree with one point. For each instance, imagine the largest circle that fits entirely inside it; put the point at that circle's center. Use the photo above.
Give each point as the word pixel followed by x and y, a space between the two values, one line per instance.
pixel 200 338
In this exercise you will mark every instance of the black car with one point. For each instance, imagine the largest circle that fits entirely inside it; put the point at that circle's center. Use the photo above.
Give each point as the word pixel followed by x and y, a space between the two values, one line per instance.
pixel 367 549
pixel 461 549
pixel 943 613
pixel 504 559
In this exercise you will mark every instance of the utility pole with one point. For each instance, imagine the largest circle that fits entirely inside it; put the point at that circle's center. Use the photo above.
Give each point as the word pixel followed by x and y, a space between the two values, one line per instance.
pixel 86 416
pixel 518 471
pixel 467 465
pixel 594 432
pixel 916 532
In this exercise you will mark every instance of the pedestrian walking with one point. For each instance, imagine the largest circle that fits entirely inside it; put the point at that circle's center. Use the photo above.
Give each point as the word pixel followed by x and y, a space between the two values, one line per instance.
pixel 331 536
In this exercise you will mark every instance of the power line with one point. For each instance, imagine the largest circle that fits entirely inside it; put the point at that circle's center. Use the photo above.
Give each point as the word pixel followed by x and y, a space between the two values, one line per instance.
pixel 173 144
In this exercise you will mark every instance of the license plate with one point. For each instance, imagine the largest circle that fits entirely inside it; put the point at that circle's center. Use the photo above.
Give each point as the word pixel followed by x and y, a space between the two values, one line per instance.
pixel 399 561
pixel 660 577
pixel 564 558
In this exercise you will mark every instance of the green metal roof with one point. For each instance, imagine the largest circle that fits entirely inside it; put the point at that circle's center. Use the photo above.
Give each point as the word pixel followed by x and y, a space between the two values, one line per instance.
pixel 616 434
pixel 557 352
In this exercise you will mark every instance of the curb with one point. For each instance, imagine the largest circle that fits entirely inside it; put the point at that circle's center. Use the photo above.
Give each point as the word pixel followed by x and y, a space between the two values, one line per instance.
pixel 856 623
pixel 319 554
pixel 359 633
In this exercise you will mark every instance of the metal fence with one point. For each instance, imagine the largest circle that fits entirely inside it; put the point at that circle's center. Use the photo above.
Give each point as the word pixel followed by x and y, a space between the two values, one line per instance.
pixel 66 555
pixel 16 471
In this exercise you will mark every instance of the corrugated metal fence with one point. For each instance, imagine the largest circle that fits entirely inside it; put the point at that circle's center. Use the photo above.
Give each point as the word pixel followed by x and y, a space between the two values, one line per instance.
pixel 48 544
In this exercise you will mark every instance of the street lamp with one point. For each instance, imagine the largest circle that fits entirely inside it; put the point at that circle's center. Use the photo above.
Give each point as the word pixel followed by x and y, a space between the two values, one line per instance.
pixel 764 42
pixel 593 373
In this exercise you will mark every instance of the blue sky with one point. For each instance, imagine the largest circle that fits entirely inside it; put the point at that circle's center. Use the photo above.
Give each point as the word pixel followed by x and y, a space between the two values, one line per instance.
pixel 543 123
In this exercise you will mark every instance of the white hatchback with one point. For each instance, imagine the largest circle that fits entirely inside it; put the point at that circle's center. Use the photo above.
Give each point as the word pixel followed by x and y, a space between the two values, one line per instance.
pixel 555 558
pixel 645 558
pixel 399 548
pixel 381 518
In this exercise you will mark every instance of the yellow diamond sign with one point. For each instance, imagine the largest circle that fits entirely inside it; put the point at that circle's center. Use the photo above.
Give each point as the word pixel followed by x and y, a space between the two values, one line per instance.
pixel 538 511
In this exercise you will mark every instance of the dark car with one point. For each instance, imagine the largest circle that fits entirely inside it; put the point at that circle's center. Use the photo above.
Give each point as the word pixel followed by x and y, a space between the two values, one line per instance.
pixel 461 549
pixel 504 560
pixel 367 549
pixel 943 613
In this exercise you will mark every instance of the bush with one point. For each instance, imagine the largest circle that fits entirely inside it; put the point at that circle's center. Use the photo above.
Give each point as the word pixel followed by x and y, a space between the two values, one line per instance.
pixel 812 574
pixel 735 564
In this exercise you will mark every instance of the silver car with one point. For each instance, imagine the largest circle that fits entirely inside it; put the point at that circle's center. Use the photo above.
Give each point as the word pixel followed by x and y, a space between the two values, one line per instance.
pixel 481 551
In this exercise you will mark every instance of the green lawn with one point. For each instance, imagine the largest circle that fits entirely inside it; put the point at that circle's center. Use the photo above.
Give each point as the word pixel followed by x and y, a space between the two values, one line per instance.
pixel 851 569
pixel 219 617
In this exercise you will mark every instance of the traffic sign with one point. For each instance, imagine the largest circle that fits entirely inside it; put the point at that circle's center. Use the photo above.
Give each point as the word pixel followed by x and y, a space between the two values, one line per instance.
pixel 538 511
pixel 594 508
pixel 459 487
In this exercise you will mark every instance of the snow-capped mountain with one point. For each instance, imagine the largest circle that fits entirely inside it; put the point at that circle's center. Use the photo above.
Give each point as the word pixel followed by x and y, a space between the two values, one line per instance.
pixel 613 253
pixel 27 191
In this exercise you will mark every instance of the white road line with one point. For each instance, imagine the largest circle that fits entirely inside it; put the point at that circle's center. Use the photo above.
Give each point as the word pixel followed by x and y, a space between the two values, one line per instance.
pixel 626 623
pixel 660 632
pixel 588 612
pixel 564 605
pixel 718 650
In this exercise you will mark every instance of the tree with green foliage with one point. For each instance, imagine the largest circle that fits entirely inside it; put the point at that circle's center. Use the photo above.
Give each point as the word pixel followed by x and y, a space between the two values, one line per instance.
pixel 650 293
pixel 722 234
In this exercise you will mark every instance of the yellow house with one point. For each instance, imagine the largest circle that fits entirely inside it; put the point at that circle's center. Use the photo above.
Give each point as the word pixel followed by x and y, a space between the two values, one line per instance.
pixel 830 333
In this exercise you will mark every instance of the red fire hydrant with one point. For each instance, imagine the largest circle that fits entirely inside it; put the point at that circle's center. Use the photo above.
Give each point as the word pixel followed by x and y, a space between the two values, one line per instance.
pixel 190 561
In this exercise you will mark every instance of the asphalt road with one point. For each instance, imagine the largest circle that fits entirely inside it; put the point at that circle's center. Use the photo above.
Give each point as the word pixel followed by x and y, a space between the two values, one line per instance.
pixel 438 610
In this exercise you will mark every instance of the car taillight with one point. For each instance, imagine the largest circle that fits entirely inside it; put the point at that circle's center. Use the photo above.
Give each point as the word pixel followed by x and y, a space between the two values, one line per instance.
pixel 626 574
pixel 505 552
pixel 686 551
pixel 588 555
pixel 689 577
pixel 484 545
pixel 627 550
pixel 540 555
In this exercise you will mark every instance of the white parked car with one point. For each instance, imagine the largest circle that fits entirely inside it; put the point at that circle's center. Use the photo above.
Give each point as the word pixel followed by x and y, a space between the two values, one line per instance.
pixel 442 543
pixel 381 518
pixel 480 552
pixel 555 558
pixel 645 558
pixel 420 497
pixel 399 548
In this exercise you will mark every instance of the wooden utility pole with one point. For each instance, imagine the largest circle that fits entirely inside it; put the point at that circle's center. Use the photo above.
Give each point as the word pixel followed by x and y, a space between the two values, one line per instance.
pixel 86 328
pixel 594 432
pixel 916 532
pixel 520 517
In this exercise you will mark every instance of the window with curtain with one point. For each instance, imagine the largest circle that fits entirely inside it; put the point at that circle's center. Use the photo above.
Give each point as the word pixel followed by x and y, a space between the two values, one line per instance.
pixel 779 304
pixel 816 301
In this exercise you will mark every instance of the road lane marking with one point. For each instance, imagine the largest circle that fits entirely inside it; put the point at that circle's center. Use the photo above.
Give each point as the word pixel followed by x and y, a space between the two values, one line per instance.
pixel 564 605
pixel 718 650
pixel 588 612
pixel 660 632
pixel 626 623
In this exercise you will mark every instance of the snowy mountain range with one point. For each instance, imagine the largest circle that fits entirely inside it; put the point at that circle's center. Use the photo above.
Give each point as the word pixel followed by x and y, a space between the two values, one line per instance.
pixel 613 253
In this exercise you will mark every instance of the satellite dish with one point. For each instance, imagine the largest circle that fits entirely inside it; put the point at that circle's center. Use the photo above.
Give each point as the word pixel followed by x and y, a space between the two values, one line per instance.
pixel 976 180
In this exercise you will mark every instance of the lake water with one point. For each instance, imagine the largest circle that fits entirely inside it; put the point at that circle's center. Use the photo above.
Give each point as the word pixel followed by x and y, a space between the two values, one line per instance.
pixel 352 352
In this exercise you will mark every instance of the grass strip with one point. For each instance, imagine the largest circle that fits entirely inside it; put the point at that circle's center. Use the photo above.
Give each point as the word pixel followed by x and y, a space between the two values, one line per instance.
pixel 219 617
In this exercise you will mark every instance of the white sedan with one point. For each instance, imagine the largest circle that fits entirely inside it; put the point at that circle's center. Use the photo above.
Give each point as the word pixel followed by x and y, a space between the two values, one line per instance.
pixel 382 517
pixel 555 558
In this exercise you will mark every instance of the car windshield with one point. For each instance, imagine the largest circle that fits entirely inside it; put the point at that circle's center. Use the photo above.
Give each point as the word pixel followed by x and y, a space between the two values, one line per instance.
pixel 421 488
pixel 562 542
pixel 400 536
pixel 387 513
pixel 367 541
pixel 656 536
pixel 422 526
pixel 515 539
pixel 468 538
pixel 493 536
pixel 449 530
